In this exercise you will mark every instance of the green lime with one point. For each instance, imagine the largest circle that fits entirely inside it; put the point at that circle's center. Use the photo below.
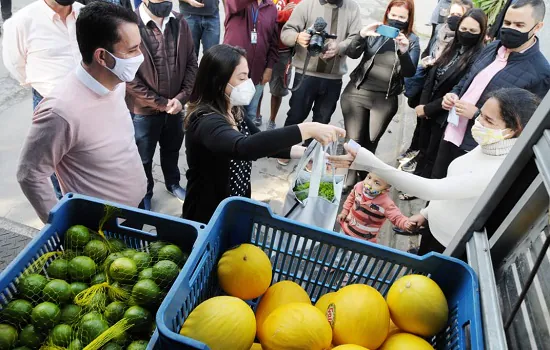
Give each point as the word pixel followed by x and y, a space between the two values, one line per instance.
pixel 31 286
pixel 82 268
pixel 146 274
pixel 146 292
pixel 173 253
pixel 116 245
pixel 97 250
pixel 70 314
pixel 122 339
pixel 112 346
pixel 98 279
pixel 165 273
pixel 57 291
pixel 109 260
pixel 93 315
pixel 45 316
pixel 114 312
pixel 31 337
pixel 142 260
pixel 77 236
pixel 59 269
pixel 128 253
pixel 123 270
pixel 77 287
pixel 155 247
pixel 75 345
pixel 17 312
pixel 91 329
pixel 8 336
pixel 137 345
pixel 61 335
pixel 138 317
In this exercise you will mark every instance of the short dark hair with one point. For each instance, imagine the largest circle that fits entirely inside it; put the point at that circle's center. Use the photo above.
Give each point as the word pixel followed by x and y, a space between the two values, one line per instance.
pixel 516 107
pixel 97 27
pixel 539 8
pixel 215 70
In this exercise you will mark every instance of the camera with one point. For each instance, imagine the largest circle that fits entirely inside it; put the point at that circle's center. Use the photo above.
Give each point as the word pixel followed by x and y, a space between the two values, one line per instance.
pixel 318 37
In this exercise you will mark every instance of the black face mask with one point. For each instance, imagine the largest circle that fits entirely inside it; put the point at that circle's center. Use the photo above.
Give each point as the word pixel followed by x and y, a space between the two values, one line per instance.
pixel 161 9
pixel 453 21
pixel 65 2
pixel 467 39
pixel 397 24
pixel 512 38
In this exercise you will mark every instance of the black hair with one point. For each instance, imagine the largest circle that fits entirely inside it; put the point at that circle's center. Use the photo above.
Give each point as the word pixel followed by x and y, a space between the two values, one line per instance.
pixel 97 27
pixel 539 8
pixel 516 107
pixel 215 70
pixel 471 52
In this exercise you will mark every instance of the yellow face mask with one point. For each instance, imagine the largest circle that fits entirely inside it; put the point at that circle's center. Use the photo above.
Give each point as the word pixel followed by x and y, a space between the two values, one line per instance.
pixel 486 136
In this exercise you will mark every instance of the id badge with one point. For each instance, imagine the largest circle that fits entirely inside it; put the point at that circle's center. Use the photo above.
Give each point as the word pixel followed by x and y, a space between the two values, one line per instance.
pixel 254 37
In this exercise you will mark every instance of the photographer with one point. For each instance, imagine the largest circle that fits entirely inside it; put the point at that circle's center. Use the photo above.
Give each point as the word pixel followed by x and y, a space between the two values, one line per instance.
pixel 322 80
pixel 369 102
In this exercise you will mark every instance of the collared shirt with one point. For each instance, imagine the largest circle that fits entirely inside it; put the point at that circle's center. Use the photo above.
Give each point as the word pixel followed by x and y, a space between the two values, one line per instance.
pixel 38 48
pixel 146 18
pixel 90 82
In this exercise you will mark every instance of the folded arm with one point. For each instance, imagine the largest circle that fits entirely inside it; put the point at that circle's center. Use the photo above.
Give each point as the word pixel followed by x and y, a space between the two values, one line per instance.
pixel 14 50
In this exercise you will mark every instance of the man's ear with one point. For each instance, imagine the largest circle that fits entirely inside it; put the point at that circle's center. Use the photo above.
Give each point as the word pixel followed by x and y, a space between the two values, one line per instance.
pixel 538 27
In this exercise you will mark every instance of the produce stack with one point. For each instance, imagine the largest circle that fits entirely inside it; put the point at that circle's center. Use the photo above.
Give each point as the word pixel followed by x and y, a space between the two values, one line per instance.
pixel 98 293
pixel 356 317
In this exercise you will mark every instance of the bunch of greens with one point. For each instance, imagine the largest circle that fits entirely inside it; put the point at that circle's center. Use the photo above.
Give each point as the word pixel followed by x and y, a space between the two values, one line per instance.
pixel 326 190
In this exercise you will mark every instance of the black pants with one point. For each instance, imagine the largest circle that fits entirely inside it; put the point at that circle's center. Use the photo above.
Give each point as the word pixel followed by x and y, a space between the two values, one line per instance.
pixel 428 243
pixel 430 135
pixel 415 142
pixel 315 93
pixel 447 152
pixel 6 9
pixel 166 130
pixel 367 114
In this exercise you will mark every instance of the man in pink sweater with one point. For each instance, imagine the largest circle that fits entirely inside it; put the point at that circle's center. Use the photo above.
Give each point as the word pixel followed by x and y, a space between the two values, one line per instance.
pixel 83 130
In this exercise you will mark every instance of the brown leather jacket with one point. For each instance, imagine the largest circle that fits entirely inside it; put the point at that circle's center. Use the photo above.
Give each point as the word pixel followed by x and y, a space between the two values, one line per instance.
pixel 154 85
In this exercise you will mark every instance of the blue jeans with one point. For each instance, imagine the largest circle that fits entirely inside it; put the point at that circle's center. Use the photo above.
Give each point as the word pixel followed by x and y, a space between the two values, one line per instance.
pixel 253 106
pixel 166 130
pixel 205 29
pixel 36 98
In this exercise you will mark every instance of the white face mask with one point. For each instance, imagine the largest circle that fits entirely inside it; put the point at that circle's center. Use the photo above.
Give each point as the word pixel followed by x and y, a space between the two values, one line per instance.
pixel 126 68
pixel 242 94
pixel 486 136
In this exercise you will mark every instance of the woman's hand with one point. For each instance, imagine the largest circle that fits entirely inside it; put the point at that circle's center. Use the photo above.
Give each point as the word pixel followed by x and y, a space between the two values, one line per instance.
pixel 449 101
pixel 465 109
pixel 323 133
pixel 418 220
pixel 345 160
pixel 420 111
pixel 402 42
pixel 370 30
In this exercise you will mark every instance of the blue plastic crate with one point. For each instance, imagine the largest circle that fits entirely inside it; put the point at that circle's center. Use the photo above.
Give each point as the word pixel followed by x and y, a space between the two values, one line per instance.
pixel 299 253
pixel 76 209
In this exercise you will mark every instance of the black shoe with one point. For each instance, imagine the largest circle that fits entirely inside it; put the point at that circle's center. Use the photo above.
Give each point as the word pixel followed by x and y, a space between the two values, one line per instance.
pixel 178 192
pixel 399 231
pixel 147 202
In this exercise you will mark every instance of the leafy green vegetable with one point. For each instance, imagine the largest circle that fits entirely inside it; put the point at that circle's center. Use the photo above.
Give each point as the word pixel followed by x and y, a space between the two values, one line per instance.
pixel 326 190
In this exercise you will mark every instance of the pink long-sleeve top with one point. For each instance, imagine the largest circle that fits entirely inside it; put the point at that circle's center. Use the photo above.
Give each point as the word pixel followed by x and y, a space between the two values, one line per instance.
pixel 84 133
pixel 366 215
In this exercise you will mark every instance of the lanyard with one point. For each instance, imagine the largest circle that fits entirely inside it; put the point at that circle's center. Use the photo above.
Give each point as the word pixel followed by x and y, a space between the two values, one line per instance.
pixel 255 13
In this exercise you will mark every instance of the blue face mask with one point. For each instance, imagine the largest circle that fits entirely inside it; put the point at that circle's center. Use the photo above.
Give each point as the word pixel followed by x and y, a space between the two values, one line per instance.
pixel 368 191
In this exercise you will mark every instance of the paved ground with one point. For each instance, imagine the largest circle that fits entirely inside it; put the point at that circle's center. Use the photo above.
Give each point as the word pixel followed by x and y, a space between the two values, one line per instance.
pixel 270 181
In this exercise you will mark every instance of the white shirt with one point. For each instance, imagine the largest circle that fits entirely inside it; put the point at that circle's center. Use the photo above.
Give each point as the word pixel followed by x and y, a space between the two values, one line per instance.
pixel 38 48
pixel 90 82
pixel 146 18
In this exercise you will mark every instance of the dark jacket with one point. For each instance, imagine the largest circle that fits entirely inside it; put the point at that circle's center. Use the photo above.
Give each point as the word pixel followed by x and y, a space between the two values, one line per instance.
pixel 529 70
pixel 369 47
pixel 210 144
pixel 432 94
pixel 146 94
pixel 124 3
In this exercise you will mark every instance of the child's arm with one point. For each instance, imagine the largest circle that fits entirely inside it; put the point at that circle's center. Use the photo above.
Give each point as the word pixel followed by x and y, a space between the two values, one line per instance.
pixel 396 216
pixel 348 203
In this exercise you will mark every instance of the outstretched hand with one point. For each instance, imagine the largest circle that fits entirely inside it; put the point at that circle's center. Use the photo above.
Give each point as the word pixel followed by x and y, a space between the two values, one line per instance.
pixel 343 161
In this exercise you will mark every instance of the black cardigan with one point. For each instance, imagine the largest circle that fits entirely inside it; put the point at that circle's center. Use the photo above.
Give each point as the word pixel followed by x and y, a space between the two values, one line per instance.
pixel 211 142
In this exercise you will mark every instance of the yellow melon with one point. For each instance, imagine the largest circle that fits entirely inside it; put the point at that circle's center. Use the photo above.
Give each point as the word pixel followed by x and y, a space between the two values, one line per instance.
pixel 244 272
pixel 417 305
pixel 281 293
pixel 256 346
pixel 349 347
pixel 405 341
pixel 222 323
pixel 324 301
pixel 359 315
pixel 296 326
